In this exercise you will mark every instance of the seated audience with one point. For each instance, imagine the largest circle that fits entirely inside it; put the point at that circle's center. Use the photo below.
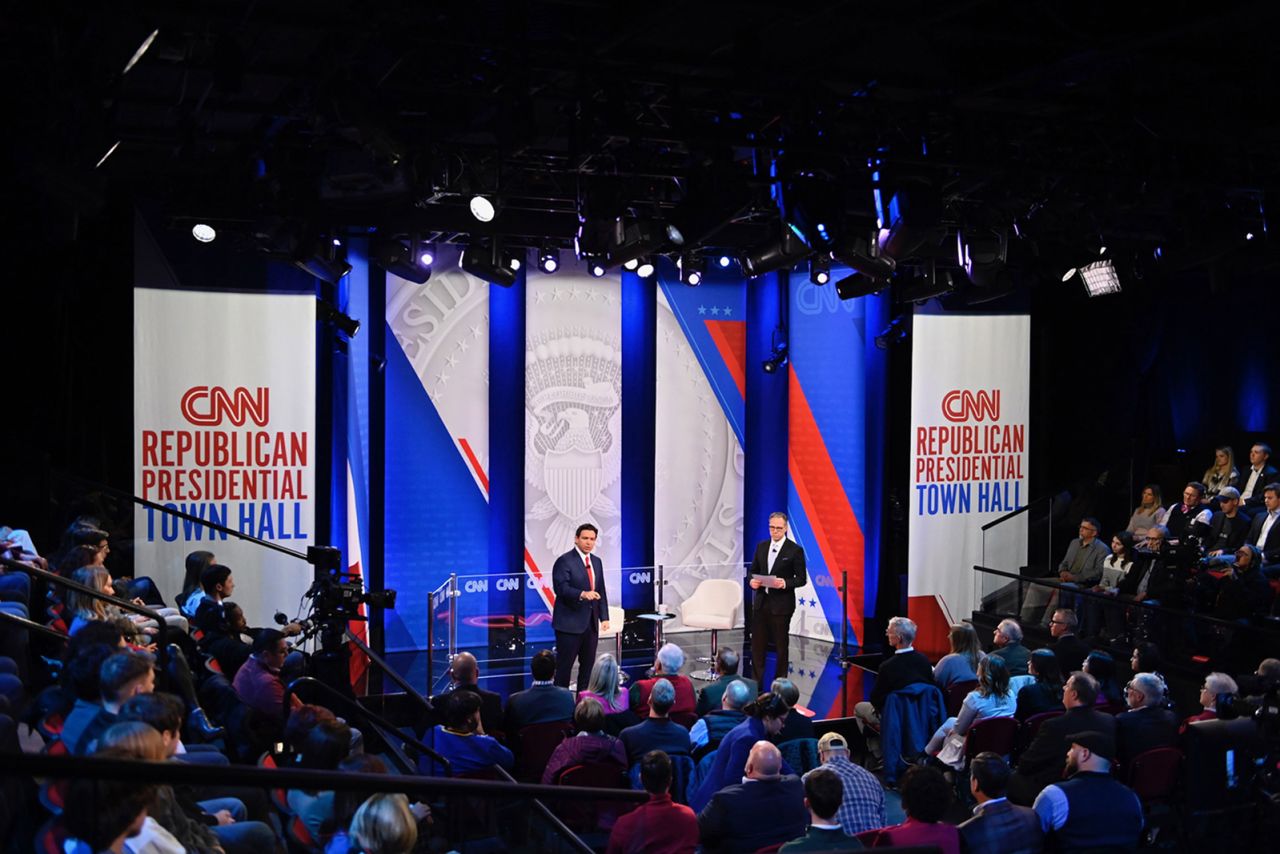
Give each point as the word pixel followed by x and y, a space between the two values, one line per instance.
pixel 606 686
pixel 961 663
pixel 1114 570
pixel 122 676
pixel 862 804
pixel 1243 591
pixel 1147 724
pixel 997 824
pixel 384 824
pixel 797 724
pixel 763 809
pixel 1255 479
pixel 1067 646
pixel 220 637
pixel 667 664
pixel 258 683
pixel 541 702
pixel 1080 567
pixel 466 677
pixel 659 826
pixel 1090 810
pixel 188 601
pixel 80 674
pixel 461 739
pixel 1007 639
pixel 1044 694
pixel 726 667
pixel 1041 763
pixel 904 667
pixel 591 745
pixel 765 717
pixel 1149 512
pixel 823 794
pixel 324 748
pixel 1229 527
pixel 1222 474
pixel 1264 533
pixel 104 814
pixel 925 798
pixel 716 724
pixel 1102 667
pixel 991 699
pixel 657 731
pixel 1215 685
pixel 1189 521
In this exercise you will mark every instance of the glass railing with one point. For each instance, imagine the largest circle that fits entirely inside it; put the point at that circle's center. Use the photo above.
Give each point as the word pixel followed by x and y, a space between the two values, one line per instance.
pixel 1020 543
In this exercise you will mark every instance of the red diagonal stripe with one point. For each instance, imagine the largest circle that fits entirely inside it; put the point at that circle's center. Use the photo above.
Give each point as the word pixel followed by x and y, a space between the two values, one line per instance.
pixel 730 337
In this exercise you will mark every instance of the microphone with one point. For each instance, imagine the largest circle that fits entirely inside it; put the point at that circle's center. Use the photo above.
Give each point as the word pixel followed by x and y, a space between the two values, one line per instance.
pixel 281 619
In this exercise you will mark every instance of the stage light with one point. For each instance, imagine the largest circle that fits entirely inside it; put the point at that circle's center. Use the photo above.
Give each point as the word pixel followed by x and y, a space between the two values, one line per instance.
pixel 1248 235
pixel 860 250
pixel 485 261
pixel 786 251
pixel 320 258
pixel 630 238
pixel 675 235
pixel 982 253
pixel 631 264
pixel 327 312
pixel 857 285
pixel 549 259
pixel 645 268
pixel 142 49
pixel 725 261
pixel 1100 278
pixel 894 333
pixel 483 208
pixel 410 262
pixel 690 265
pixel 820 270
pixel 426 256
pixel 204 233
pixel 110 151
pixel 810 204
pixel 777 359
pixel 927 284
pixel 596 269
pixel 515 260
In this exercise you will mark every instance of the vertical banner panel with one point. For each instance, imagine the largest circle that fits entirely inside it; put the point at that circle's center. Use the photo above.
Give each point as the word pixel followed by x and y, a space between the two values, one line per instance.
pixel 701 392
pixel 573 429
pixel 225 430
pixel 970 400
pixel 437 447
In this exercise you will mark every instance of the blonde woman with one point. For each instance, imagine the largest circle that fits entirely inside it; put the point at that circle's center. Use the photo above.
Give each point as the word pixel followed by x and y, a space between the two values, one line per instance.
pixel 384 824
pixel 1148 513
pixel 1221 474
pixel 961 664
pixel 606 685
pixel 86 608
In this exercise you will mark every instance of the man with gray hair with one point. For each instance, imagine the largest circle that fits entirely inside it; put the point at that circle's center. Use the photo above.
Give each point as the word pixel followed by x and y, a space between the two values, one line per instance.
pixel 1041 763
pixel 666 665
pixel 715 724
pixel 726 668
pixel 1147 724
pixel 777 569
pixel 658 731
pixel 904 667
pixel 1008 645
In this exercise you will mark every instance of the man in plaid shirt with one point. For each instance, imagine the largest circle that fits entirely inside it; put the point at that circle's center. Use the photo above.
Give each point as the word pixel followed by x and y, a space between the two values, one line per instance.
pixel 863 804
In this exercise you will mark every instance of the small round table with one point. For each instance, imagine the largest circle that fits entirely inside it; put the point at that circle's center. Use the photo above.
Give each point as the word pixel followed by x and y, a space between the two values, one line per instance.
pixel 657 618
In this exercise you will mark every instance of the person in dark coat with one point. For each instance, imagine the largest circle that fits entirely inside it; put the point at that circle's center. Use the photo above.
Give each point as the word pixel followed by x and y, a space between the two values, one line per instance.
pixel 726 667
pixel 543 702
pixel 823 794
pixel 904 667
pixel 998 825
pixel 1067 645
pixel 1007 640
pixel 1148 724
pixel 466 677
pixel 1041 763
pixel 763 810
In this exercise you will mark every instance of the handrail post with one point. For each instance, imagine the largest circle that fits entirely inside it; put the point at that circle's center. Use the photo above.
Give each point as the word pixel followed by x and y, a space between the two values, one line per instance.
pixel 453 615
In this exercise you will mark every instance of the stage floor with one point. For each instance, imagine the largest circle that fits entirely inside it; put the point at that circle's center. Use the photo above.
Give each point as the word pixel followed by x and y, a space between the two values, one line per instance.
pixel 826 687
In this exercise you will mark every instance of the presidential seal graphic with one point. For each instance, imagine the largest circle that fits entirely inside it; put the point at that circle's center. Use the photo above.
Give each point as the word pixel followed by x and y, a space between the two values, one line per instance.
pixel 573 414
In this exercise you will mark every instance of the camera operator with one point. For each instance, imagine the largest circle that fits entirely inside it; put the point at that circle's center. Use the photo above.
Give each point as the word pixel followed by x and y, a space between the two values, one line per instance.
pixel 221 637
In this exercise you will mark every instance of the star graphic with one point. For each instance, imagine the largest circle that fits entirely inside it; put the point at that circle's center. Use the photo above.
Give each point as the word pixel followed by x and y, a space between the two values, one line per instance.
pixel 702 309
pixel 442 379
pixel 813 674
pixel 452 361
pixel 475 331
pixel 727 311
pixel 463 345
pixel 540 296
pixel 715 309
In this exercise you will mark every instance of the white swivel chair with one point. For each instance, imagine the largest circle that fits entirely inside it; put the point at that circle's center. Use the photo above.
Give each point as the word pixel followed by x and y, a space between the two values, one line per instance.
pixel 714 605
pixel 616 616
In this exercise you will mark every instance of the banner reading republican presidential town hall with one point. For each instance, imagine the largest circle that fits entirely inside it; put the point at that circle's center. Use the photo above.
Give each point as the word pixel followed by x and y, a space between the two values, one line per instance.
pixel 970 390
pixel 224 430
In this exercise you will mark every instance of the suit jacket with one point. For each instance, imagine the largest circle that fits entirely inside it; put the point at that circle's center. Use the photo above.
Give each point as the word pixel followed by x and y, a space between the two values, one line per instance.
pixel 571 614
pixel 822 839
pixel 1269 475
pixel 1004 827
pixel 537 705
pixel 1045 758
pixel 898 671
pixel 1140 730
pixel 750 816
pixel 1070 651
pixel 789 566
pixel 1091 570
pixel 1271 548
pixel 711 696
pixel 1016 657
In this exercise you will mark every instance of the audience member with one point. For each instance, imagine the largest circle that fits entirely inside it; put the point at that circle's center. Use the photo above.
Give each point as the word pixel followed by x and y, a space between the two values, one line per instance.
pixel 1215 685
pixel 258 683
pixel 323 749
pixel 726 667
pixel 466 677
pixel 104 813
pixel 765 808
pixel 904 667
pixel 1190 519
pixel 1222 474
pixel 658 731
pixel 461 739
pixel 1258 475
pixel 765 717
pixel 997 824
pixel 188 601
pixel 384 824
pixel 1102 667
pixel 122 676
pixel 712 727
pixel 961 663
pixel 81 680
pixel 862 804
pixel 1041 763
pixel 925 798
pixel 823 794
pixel 589 746
pixel 1149 512
pixel 1007 640
pixel 1069 649
pixel 606 686
pixel 220 637
pixel 797 724
pixel 541 702
pixel 1229 528
pixel 1115 569
pixel 1090 810
pixel 1264 532
pixel 659 826
pixel 1080 567
pixel 991 699
pixel 1044 693
pixel 1147 724
pixel 667 664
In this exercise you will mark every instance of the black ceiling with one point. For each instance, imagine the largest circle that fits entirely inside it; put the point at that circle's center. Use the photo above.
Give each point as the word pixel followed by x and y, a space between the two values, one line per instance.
pixel 1151 126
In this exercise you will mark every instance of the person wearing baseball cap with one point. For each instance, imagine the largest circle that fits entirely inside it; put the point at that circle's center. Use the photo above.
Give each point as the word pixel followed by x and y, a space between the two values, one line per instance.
pixel 1090 810
pixel 862 805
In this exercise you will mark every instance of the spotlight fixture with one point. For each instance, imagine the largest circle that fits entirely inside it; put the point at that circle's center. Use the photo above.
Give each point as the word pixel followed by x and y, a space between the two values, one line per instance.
pixel 596 269
pixel 204 233
pixel 426 256
pixel 645 268
pixel 320 258
pixel 691 266
pixel 982 253
pixel 725 262
pixel 785 251
pixel 820 269
pixel 514 259
pixel 1100 278
pixel 858 285
pixel 777 359
pixel 631 264
pixel 411 262
pixel 486 261
pixel 549 259
pixel 327 312
pixel 894 333
pixel 926 284
pixel 629 238
pixel 861 252
pixel 483 208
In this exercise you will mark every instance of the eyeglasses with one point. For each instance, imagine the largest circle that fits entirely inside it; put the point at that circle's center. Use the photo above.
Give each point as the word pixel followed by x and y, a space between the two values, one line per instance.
pixel 777 527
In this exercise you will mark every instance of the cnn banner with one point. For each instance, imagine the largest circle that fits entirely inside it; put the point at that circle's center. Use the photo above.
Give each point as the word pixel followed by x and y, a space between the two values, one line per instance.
pixel 224 430
pixel 970 400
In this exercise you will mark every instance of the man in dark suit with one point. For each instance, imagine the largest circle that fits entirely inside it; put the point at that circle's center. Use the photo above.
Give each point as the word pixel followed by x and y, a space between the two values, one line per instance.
pixel 466 677
pixel 581 610
pixel 998 825
pixel 726 666
pixel 1042 762
pixel 1264 532
pixel 1148 724
pixel 658 731
pixel 1255 478
pixel 904 667
pixel 774 599
pixel 1067 646
pixel 765 809
pixel 542 702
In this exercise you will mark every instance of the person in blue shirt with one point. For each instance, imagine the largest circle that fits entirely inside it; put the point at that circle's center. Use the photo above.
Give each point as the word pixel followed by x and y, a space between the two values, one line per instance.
pixel 461 738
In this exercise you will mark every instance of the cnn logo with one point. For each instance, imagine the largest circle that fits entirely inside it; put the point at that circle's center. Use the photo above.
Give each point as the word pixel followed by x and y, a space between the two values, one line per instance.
pixel 965 405
pixel 208 405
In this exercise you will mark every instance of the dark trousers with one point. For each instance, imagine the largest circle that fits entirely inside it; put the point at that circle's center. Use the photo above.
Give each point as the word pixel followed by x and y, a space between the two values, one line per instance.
pixel 580 647
pixel 767 626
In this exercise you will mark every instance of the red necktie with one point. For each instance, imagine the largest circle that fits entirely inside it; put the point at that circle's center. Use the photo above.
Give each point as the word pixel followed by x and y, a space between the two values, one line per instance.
pixel 591 577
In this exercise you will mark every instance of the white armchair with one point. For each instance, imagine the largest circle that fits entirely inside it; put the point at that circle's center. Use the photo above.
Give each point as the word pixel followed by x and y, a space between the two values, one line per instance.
pixel 714 605
pixel 616 618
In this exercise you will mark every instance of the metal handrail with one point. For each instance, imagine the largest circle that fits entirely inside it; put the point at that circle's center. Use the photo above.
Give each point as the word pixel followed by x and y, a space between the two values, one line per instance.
pixel 1023 509
pixel 28 625
pixel 386 668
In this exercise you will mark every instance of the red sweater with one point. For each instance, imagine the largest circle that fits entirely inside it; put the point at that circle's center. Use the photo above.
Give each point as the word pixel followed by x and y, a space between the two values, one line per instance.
pixel 686 701
pixel 658 827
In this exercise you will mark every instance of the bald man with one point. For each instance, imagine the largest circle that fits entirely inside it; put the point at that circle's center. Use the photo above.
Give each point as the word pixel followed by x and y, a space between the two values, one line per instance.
pixel 465 671
pixel 766 808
